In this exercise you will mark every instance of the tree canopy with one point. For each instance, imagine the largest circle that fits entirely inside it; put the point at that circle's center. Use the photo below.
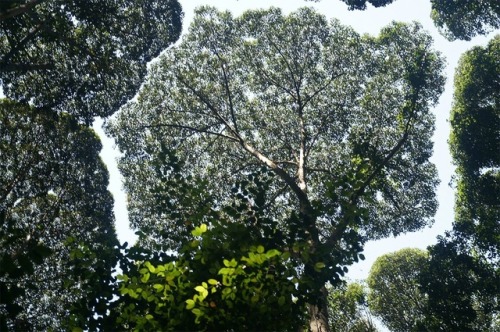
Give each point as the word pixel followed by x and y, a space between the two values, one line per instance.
pixel 61 64
pixel 86 58
pixel 395 294
pixel 341 121
pixel 57 227
pixel 348 308
pixel 456 19
pixel 457 286
pixel 474 142
pixel 463 276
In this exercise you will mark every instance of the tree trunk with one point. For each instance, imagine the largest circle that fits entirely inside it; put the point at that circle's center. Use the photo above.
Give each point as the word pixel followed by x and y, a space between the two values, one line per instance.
pixel 318 321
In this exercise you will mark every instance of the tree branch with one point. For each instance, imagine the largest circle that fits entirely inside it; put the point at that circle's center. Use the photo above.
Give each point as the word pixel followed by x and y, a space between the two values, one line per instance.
pixel 20 9
pixel 194 129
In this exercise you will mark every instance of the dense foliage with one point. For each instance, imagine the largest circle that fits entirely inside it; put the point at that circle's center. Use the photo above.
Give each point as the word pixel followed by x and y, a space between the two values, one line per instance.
pixel 463 277
pixel 61 64
pixel 56 227
pixel 395 294
pixel 342 122
pixel 86 58
pixel 456 19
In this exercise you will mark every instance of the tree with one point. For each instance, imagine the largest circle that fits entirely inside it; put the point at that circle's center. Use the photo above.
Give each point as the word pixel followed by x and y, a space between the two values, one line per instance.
pixel 341 121
pixel 474 142
pixel 463 275
pixel 462 19
pixel 466 18
pixel 86 58
pixel 462 287
pixel 56 222
pixel 395 295
pixel 348 308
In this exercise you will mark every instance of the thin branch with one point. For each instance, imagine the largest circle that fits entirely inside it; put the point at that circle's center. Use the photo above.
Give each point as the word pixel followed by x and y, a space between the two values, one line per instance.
pixel 31 34
pixel 197 130
pixel 21 9
pixel 322 88
pixel 228 92
pixel 209 105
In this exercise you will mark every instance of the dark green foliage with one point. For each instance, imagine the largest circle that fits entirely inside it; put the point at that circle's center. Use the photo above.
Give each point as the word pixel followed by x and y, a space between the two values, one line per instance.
pixel 464 19
pixel 84 57
pixel 56 232
pixel 474 142
pixel 462 288
pixel 463 276
pixel 361 4
pixel 456 19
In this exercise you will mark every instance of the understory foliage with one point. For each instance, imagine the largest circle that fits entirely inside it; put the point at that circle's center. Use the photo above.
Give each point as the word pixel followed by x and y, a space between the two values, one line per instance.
pixel 255 291
pixel 336 126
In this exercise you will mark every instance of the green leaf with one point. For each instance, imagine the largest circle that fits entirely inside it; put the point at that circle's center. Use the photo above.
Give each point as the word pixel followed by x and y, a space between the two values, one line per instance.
pixel 190 304
pixel 200 289
pixel 145 277
pixel 158 287
pixel 260 249
pixel 319 265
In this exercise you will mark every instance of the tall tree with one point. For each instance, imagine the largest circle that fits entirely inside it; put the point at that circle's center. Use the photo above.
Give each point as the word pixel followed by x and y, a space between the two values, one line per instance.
pixel 474 142
pixel 395 295
pixel 83 57
pixel 463 277
pixel 341 121
pixel 56 223
pixel 457 19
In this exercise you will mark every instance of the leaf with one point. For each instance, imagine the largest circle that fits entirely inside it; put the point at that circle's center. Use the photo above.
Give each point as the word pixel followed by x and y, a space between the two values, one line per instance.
pixel 150 267
pixel 200 289
pixel 272 253
pixel 260 249
pixel 281 300
pixel 145 277
pixel 190 304
pixel 319 265
pixel 158 287
pixel 212 282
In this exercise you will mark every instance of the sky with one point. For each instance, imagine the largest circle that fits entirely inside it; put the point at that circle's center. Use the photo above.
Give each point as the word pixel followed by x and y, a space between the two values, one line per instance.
pixel 369 21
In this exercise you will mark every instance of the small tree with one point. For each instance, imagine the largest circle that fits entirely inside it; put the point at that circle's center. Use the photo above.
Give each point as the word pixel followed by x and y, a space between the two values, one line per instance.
pixel 395 294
